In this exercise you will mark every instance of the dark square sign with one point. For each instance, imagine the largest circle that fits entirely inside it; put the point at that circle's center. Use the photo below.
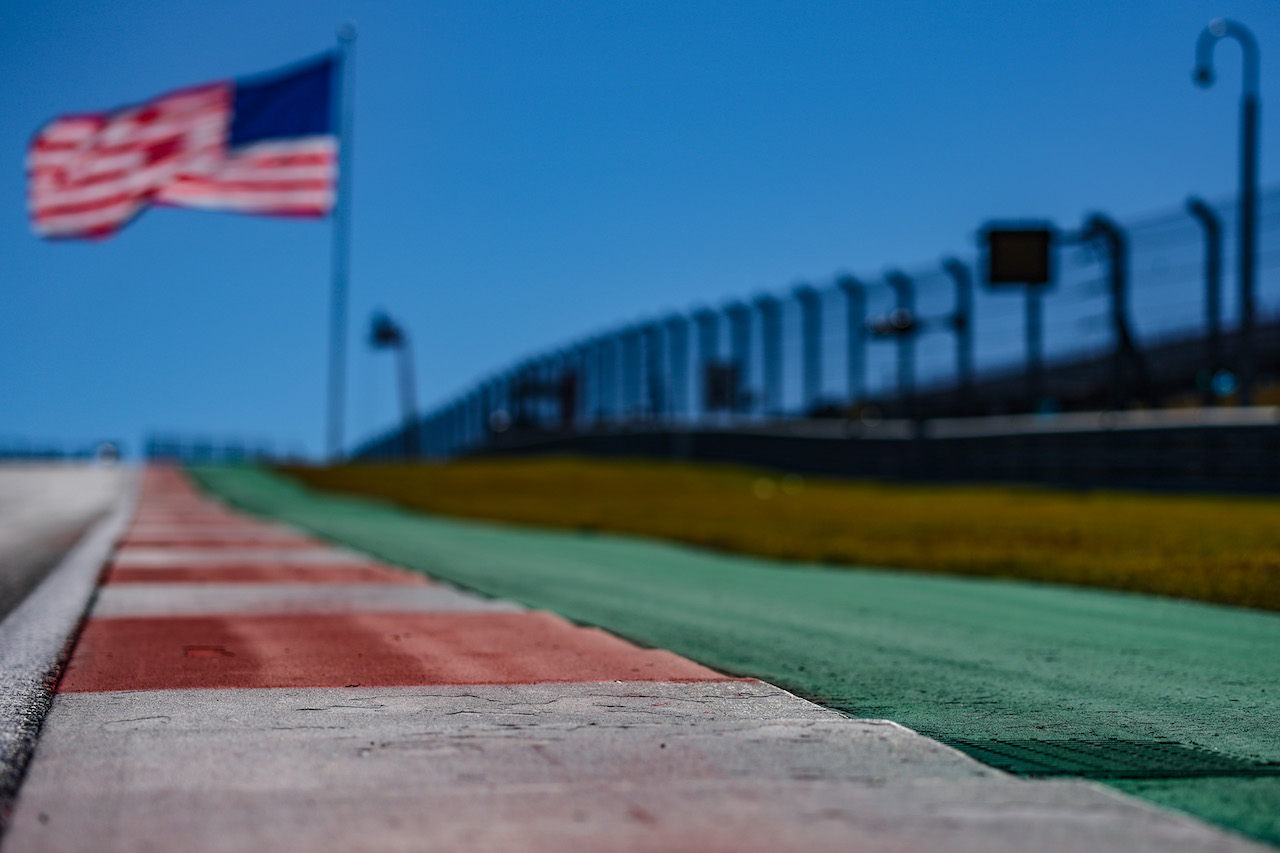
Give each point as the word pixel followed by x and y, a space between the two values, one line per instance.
pixel 1019 255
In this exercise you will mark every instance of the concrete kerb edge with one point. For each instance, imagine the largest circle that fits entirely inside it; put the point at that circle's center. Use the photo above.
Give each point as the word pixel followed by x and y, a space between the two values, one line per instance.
pixel 37 636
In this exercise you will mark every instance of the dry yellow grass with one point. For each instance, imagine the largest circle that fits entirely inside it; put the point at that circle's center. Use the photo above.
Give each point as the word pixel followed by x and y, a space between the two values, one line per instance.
pixel 1220 549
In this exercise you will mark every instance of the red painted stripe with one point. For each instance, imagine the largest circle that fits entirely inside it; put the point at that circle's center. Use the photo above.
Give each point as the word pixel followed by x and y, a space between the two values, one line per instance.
pixel 358 650
pixel 275 573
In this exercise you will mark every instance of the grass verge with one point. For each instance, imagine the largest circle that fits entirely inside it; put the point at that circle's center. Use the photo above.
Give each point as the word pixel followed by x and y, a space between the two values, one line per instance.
pixel 1218 549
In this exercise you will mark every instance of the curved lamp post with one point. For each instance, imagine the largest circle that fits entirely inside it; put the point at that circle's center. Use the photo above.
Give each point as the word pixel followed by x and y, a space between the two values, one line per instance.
pixel 1249 109
pixel 385 334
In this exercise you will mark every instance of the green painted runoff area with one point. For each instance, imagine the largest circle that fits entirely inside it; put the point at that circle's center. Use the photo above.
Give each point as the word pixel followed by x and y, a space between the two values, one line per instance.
pixel 958 658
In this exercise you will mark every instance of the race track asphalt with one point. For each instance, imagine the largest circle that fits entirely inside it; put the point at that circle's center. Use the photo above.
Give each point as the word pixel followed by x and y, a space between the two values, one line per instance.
pixel 44 510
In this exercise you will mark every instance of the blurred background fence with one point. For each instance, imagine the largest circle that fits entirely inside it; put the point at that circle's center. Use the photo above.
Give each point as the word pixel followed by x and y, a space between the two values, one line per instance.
pixel 21 449
pixel 177 448
pixel 1121 329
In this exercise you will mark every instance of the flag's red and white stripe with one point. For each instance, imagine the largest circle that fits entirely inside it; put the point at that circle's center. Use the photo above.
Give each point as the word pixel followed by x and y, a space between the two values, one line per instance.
pixel 277 177
pixel 89 174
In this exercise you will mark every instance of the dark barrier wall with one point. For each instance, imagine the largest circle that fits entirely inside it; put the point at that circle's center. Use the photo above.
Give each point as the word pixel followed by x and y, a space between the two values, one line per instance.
pixel 1200 458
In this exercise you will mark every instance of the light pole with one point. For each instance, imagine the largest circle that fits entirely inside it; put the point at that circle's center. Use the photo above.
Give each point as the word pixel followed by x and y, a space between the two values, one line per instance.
pixel 385 334
pixel 1248 225
pixel 341 248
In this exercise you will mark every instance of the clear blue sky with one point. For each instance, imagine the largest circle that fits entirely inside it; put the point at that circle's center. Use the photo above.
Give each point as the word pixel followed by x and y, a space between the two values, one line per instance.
pixel 529 172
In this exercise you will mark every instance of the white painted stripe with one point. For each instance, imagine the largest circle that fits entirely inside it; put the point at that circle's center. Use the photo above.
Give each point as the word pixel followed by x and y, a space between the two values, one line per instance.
pixel 230 527
pixel 145 556
pixel 178 599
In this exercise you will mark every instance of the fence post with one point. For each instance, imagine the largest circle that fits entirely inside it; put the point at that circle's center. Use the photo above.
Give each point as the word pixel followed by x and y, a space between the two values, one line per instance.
pixel 448 430
pixel 477 416
pixel 582 415
pixel 902 322
pixel 1212 224
pixel 855 294
pixel 1102 229
pixel 962 323
pixel 739 317
pixel 770 353
pixel 632 339
pixel 655 396
pixel 708 323
pixel 621 373
pixel 600 395
pixel 677 365
pixel 811 345
pixel 470 410
pixel 461 407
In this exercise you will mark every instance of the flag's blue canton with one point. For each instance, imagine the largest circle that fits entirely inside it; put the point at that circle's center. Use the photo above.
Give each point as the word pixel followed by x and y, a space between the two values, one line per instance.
pixel 297 103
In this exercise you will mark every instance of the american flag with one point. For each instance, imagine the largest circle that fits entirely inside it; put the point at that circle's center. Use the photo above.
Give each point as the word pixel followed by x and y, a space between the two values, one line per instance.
pixel 263 146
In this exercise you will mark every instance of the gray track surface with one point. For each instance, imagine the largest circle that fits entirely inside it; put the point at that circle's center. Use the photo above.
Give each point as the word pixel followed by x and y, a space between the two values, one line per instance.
pixel 637 766
pixel 44 510
pixel 35 636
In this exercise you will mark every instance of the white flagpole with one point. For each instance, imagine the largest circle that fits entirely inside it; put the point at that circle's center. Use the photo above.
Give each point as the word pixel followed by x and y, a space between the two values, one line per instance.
pixel 341 243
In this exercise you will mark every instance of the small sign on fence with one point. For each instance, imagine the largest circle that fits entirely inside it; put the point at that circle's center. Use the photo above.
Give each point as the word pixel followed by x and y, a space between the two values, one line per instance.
pixel 1019 255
